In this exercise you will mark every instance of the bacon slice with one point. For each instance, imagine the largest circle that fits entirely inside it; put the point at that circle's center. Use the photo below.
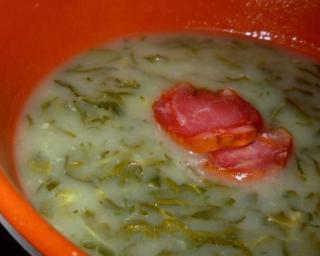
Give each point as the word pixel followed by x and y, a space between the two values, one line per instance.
pixel 267 155
pixel 203 121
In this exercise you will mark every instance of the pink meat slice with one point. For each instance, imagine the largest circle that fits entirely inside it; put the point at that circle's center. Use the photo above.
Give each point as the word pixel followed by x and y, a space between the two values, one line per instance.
pixel 203 120
pixel 267 155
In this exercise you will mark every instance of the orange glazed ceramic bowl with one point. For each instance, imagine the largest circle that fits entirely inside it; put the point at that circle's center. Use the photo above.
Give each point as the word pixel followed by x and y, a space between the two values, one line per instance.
pixel 38 35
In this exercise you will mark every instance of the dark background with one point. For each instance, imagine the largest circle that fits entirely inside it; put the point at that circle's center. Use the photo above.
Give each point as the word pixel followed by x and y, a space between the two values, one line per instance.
pixel 9 245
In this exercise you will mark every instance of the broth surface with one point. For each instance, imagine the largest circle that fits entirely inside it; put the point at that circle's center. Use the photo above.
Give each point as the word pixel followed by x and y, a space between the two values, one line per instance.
pixel 96 165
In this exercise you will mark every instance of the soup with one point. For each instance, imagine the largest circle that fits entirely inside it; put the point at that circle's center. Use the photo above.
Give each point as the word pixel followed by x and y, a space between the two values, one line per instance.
pixel 97 160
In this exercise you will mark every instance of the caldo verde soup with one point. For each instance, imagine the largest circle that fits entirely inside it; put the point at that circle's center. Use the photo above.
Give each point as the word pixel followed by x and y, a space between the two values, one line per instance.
pixel 178 145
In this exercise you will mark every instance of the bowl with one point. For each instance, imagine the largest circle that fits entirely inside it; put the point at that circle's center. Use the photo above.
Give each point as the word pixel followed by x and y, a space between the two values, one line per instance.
pixel 36 36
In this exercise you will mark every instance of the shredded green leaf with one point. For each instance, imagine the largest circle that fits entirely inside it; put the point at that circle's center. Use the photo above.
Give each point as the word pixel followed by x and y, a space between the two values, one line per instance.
pixel 208 213
pixel 316 165
pixel 310 72
pixel 68 86
pixel 302 173
pixel 284 220
pixel 155 58
pixel 270 72
pixel 290 194
pixel 166 253
pixel 228 62
pixel 285 251
pixel 66 132
pixel 97 232
pixel 29 119
pixel 229 202
pixel 192 188
pixel 81 69
pixel 237 221
pixel 126 170
pixel 299 90
pixel 40 165
pixel 133 58
pixel 241 78
pixel 299 109
pixel 52 184
pixel 106 105
pixel 202 237
pixel 173 202
pixel 275 112
pixel 302 81
pixel 141 226
pixel 132 84
pixel 46 105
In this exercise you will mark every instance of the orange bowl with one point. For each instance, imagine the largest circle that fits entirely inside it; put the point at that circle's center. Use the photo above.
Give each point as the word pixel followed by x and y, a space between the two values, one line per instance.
pixel 36 36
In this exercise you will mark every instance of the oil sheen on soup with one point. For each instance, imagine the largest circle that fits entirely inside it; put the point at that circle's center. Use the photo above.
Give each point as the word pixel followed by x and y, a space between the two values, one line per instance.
pixel 177 145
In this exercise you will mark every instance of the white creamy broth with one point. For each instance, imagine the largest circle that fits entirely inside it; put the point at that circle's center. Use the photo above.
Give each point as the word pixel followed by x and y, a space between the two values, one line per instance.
pixel 96 165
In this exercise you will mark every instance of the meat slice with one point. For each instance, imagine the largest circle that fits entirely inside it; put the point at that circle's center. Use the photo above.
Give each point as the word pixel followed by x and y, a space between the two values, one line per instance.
pixel 267 155
pixel 203 121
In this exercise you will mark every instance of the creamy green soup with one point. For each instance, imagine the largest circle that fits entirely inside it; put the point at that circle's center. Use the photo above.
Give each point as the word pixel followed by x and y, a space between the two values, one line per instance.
pixel 96 165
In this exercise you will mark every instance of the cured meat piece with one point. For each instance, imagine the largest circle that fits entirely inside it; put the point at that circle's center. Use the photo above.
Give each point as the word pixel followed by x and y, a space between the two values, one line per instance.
pixel 267 155
pixel 203 121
